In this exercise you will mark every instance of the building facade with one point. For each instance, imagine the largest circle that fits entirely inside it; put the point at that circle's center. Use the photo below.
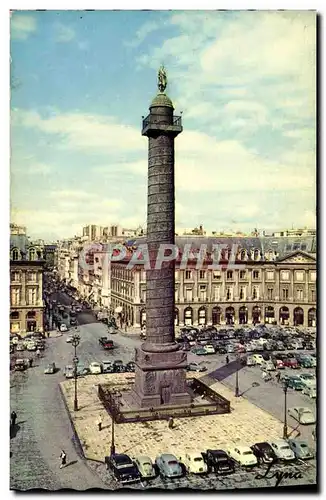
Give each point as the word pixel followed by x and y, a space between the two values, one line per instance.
pixel 26 285
pixel 273 280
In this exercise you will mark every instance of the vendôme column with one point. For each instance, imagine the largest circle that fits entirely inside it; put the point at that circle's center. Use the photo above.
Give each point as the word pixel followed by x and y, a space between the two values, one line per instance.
pixel 160 376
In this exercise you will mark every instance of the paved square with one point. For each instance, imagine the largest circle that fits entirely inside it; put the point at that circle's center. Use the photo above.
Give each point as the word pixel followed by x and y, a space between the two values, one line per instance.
pixel 246 424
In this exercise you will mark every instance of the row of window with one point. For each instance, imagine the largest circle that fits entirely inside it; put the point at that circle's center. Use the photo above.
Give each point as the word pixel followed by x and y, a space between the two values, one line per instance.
pixel 217 295
pixel 17 277
pixel 16 297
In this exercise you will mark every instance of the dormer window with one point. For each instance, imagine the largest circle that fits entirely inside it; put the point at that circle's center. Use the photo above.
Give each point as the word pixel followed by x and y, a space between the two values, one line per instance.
pixel 256 254
pixel 32 254
pixel 243 254
pixel 15 254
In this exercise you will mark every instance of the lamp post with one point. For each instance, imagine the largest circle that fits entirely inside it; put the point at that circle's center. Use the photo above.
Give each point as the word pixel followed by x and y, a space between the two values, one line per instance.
pixel 237 377
pixel 285 427
pixel 75 342
pixel 112 448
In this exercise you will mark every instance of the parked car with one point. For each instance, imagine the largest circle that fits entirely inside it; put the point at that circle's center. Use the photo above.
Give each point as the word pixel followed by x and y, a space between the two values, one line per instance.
pixel 123 468
pixel 69 371
pixel 69 339
pixel 282 450
pixel 31 345
pixel 219 462
pixel 310 390
pixel 194 463
pixel 312 360
pixel 243 455
pixel 278 363
pixel 130 366
pixel 118 366
pixel 251 361
pixel 294 382
pixel 107 366
pixel 196 367
pixel 221 350
pixel 106 343
pixel 95 368
pixel 145 467
pixel 308 379
pixel 300 449
pixel 258 358
pixel 302 415
pixel 291 363
pixel 63 327
pixel 50 369
pixel 200 351
pixel 168 466
pixel 209 348
pixel 267 366
pixel 82 371
pixel 264 453
pixel 20 365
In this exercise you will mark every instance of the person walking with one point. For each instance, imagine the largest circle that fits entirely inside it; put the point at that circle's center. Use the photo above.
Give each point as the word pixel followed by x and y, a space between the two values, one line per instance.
pixel 278 376
pixel 227 360
pixel 63 458
pixel 30 362
pixel 38 353
pixel 99 423
pixel 171 423
pixel 13 418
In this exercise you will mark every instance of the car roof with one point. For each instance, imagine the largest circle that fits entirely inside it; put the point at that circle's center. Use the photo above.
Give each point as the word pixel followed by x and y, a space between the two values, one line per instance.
pixel 143 458
pixel 121 458
pixel 167 456
pixel 279 441
pixel 242 448
pixel 194 454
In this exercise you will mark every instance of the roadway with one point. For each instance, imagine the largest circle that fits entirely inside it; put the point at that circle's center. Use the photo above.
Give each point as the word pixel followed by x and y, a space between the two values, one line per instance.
pixel 43 428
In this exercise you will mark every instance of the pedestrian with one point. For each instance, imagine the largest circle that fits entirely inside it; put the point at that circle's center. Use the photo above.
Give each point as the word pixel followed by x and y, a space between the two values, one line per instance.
pixel 171 423
pixel 38 353
pixel 48 333
pixel 99 423
pixel 13 418
pixel 125 327
pixel 63 458
pixel 30 362
pixel 227 360
pixel 278 376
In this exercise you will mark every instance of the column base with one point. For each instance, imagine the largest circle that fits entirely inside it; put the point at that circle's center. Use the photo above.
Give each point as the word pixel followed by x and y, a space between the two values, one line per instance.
pixel 160 379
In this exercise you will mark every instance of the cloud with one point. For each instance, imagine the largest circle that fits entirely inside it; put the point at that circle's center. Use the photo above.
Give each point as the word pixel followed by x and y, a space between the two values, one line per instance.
pixel 39 169
pixel 63 33
pixel 83 131
pixel 22 26
pixel 145 30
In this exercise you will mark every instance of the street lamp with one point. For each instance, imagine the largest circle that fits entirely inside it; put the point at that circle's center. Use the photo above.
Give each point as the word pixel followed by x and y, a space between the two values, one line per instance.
pixel 237 377
pixel 285 427
pixel 75 342
pixel 112 448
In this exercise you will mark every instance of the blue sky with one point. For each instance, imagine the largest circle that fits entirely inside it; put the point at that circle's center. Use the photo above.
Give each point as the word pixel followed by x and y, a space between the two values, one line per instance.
pixel 81 81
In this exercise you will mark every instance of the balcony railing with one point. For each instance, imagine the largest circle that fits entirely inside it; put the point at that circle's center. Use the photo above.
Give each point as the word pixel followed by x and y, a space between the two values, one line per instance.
pixel 162 120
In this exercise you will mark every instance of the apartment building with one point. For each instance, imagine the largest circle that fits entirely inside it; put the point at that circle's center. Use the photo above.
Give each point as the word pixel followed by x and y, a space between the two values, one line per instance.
pixel 274 282
pixel 26 284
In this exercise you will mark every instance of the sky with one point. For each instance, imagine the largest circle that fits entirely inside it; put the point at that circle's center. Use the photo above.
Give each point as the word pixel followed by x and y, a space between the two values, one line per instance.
pixel 245 84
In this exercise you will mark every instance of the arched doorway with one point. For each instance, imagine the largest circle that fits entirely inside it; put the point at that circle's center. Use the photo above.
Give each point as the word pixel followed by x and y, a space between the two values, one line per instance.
pixel 202 316
pixel 188 316
pixel 229 315
pixel 269 315
pixel 284 315
pixel 256 312
pixel 312 317
pixel 243 315
pixel 298 316
pixel 176 316
pixel 14 322
pixel 216 315
pixel 31 321
pixel 142 318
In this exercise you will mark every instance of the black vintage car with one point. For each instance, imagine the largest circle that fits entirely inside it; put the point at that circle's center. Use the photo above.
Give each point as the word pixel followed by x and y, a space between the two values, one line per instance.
pixel 219 462
pixel 118 366
pixel 130 367
pixel 123 468
pixel 264 453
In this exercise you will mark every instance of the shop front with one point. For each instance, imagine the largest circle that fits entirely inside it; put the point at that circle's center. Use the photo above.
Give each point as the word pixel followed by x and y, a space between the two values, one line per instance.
pixel 188 316
pixel 243 315
pixel 202 316
pixel 284 315
pixel 216 315
pixel 269 315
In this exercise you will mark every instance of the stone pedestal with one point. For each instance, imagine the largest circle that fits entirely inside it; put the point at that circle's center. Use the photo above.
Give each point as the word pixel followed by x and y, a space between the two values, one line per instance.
pixel 160 378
